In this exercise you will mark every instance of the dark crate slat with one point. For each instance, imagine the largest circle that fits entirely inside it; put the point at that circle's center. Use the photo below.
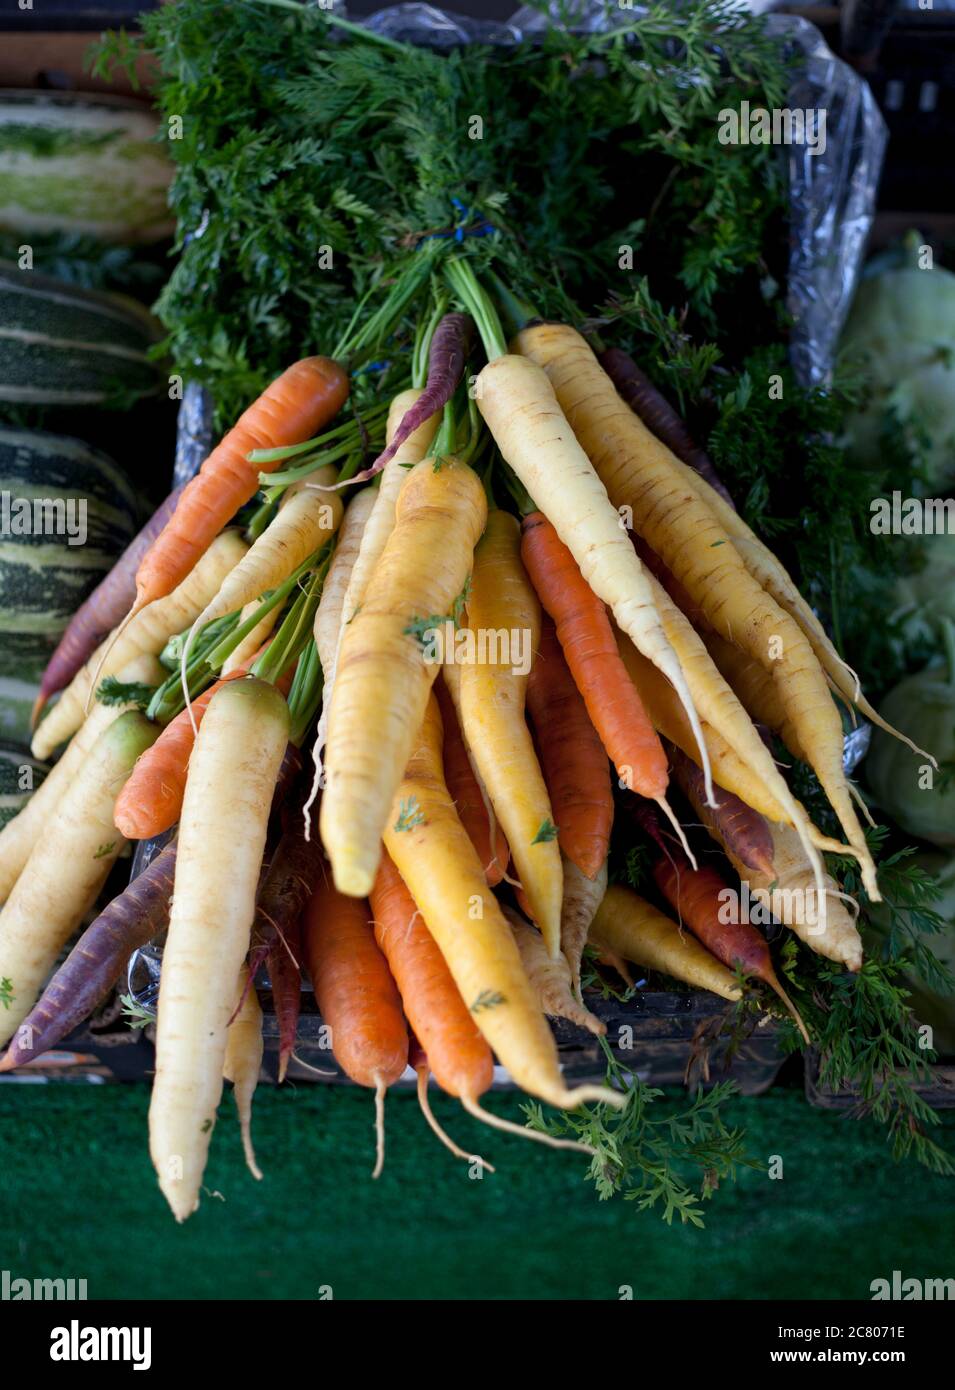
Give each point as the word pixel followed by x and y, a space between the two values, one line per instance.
pixel 663 1028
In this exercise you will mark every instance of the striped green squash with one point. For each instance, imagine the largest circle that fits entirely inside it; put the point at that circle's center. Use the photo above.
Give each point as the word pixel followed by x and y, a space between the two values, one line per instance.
pixel 17 694
pixel 20 775
pixel 60 345
pixel 74 162
pixel 53 490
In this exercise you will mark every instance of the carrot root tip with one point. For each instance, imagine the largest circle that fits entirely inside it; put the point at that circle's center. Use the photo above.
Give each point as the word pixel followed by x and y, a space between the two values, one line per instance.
pixel 509 1127
pixel 442 1134
pixel 380 1089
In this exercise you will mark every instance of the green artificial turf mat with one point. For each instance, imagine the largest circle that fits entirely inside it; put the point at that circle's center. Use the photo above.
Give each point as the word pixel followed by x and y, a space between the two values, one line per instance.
pixel 78 1198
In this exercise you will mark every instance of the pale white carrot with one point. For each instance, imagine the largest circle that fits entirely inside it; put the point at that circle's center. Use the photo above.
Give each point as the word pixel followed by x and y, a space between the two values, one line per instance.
pixel 232 772
pixel 582 897
pixel 521 410
pixel 67 868
pixel 306 519
pixel 147 632
pixel 330 619
pixel 825 923
pixel 550 976
pixel 244 1050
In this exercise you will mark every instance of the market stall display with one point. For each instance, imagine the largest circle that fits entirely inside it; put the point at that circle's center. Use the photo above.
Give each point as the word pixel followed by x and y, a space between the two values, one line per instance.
pixel 456 565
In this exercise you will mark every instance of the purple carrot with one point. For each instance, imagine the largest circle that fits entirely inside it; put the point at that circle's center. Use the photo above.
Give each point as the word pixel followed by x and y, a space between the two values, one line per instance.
pixel 292 875
pixel 97 961
pixel 285 973
pixel 106 606
pixel 744 831
pixel 659 416
pixel 648 818
pixel 446 358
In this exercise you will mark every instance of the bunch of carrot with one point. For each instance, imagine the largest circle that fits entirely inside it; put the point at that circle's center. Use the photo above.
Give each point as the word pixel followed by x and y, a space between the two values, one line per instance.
pixel 526 611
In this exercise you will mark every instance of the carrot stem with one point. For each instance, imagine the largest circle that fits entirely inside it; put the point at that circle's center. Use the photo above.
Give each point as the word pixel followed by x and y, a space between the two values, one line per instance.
pixel 305 694
pixel 225 648
pixel 479 305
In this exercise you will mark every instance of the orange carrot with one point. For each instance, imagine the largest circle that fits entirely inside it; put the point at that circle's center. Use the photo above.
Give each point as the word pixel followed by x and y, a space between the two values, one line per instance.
pixel 590 648
pixel 151 800
pixel 356 995
pixel 572 757
pixel 457 1053
pixel 586 637
pixel 292 408
pixel 484 830
pixel 703 901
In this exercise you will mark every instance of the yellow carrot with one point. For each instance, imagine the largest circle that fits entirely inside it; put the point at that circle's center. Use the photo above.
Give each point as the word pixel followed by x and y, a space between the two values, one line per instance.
pixel 640 473
pixel 504 626
pixel 499 855
pixel 634 929
pixel 444 875
pixel 730 771
pixel 369 523
pixel 722 711
pixel 755 688
pixel 532 432
pixel 381 519
pixel 384 677
pixel 306 519
pixel 147 633
pixel 764 566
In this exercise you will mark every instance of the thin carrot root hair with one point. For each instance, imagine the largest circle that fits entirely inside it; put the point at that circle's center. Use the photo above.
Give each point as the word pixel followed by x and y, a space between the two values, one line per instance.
pixel 842 698
pixel 860 801
pixel 444 1137
pixel 595 1095
pixel 509 1127
pixel 182 675
pixel 846 898
pixel 830 846
pixel 667 810
pixel 380 1089
pixel 777 988
pixel 874 717
pixel 136 609
pixel 317 1071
